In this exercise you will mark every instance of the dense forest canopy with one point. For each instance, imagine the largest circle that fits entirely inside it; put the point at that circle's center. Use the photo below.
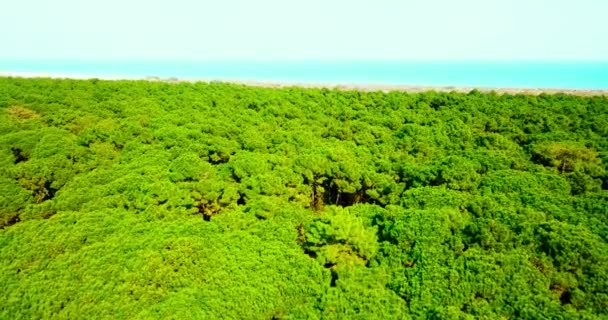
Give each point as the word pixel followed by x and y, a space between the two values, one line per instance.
pixel 135 199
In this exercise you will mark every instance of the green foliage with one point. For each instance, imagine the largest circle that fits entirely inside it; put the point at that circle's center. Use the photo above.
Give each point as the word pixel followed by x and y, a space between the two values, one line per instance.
pixel 340 238
pixel 568 157
pixel 138 200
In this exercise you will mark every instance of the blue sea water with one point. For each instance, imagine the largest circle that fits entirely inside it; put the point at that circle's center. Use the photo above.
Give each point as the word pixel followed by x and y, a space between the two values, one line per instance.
pixel 559 75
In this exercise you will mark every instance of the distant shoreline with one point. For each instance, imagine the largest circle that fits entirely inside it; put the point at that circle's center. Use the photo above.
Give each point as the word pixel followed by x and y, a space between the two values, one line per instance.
pixel 347 87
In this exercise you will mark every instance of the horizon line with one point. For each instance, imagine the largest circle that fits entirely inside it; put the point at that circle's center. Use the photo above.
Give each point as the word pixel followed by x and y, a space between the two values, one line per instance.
pixel 365 87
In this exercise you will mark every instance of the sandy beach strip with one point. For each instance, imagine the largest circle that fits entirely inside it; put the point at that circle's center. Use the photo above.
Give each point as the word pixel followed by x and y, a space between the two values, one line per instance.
pixel 288 84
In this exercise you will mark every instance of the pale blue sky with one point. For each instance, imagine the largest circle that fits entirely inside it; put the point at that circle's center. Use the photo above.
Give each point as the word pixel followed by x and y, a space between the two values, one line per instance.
pixel 304 29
